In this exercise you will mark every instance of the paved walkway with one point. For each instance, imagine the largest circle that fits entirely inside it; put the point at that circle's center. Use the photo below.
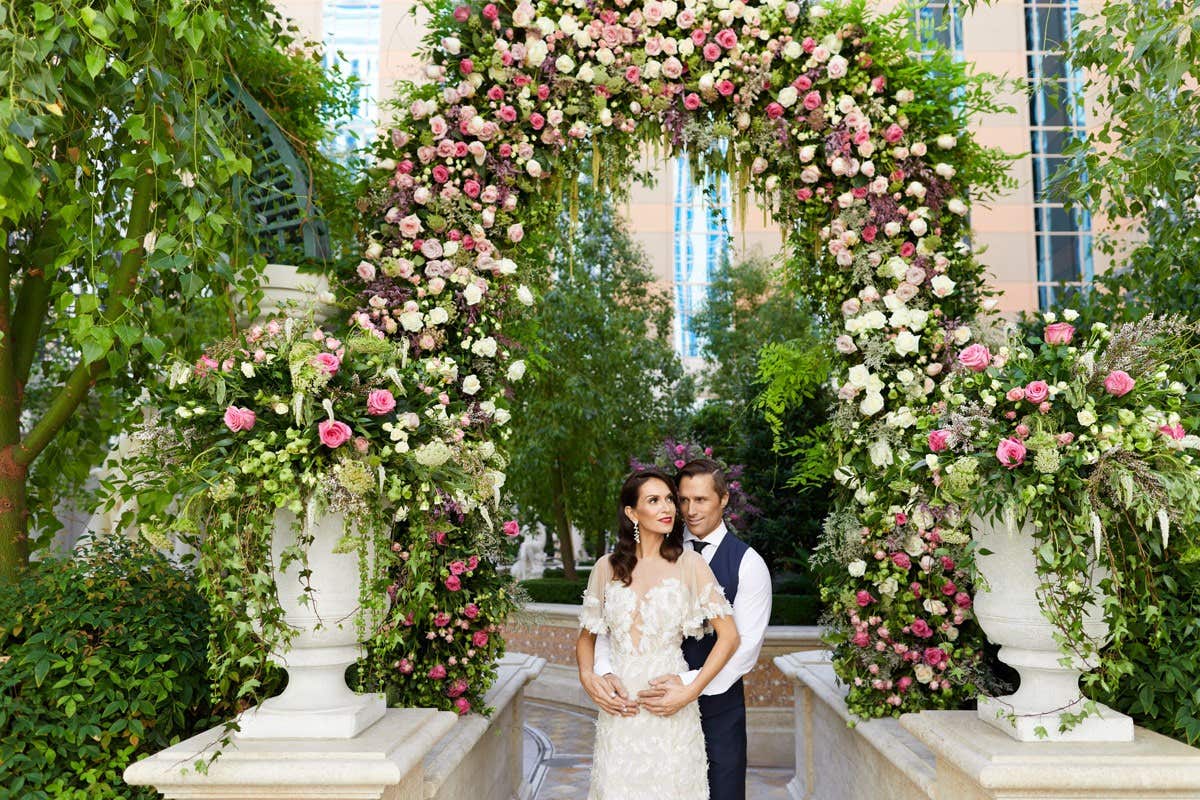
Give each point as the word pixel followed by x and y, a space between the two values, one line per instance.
pixel 558 757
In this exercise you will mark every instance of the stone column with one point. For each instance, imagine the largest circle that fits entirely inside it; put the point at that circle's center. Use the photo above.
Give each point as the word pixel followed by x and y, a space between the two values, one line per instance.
pixel 976 761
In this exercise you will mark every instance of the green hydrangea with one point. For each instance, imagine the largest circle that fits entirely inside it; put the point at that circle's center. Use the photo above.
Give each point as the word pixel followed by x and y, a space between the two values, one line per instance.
pixel 354 477
pixel 1047 461
pixel 962 475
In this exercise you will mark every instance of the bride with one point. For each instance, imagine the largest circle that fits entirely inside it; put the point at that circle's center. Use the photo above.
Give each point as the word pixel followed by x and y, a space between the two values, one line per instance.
pixel 647 595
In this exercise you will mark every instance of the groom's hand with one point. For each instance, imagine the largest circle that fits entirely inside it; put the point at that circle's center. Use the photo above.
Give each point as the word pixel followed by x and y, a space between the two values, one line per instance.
pixel 666 696
pixel 609 694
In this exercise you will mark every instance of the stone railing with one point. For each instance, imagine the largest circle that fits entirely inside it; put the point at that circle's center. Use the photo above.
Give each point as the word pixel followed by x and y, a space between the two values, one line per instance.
pixel 549 630
pixel 954 755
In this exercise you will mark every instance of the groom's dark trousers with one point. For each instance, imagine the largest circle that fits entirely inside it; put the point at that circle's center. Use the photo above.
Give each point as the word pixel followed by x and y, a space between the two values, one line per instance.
pixel 723 716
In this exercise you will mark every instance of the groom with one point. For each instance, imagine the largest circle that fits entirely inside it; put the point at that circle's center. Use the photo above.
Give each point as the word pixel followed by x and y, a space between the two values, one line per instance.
pixel 742 573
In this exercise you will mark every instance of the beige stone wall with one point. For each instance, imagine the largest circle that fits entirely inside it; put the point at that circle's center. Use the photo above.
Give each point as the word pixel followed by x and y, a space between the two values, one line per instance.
pixel 993 39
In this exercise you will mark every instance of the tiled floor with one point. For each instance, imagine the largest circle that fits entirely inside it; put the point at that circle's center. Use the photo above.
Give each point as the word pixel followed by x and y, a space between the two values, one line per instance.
pixel 558 757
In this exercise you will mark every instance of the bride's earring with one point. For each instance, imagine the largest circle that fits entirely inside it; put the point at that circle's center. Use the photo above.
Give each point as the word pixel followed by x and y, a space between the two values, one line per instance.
pixel 637 532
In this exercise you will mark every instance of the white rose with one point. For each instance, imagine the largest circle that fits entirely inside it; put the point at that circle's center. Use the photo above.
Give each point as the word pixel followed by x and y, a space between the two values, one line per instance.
pixel 485 347
pixel 942 285
pixel 857 568
pixel 374 250
pixel 472 294
pixel 535 53
pixel 586 73
pixel 524 295
pixel 605 56
pixel 859 376
pixel 817 12
pixel 807 152
pixel 906 344
pixel 438 316
pixel 917 317
pixel 451 45
pixel 919 227
pixel 872 404
pixel 962 334
pixel 880 452
pixel 471 385
pixel 892 228
pixel 792 50
pixel 946 141
pixel 516 371
pixel 568 25
pixel 945 170
pixel 506 266
pixel 788 96
pixel 533 168
pixel 1070 314
pixel 564 64
pixel 924 673
pixel 837 67
pixel 686 47
pixel 1086 417
pixel 501 416
pixel 956 206
pixel 412 321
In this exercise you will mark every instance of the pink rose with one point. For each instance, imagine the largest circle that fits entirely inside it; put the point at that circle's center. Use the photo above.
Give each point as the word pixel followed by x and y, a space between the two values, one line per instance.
pixel 1065 438
pixel 462 705
pixel 334 433
pixel 726 38
pixel 1059 333
pixel 893 134
pixel 405 666
pixel 774 111
pixel 457 689
pixel 812 101
pixel 921 628
pixel 860 639
pixel 457 567
pixel 466 66
pixel 471 611
pixel 472 562
pixel 239 419
pixel 901 560
pixel 453 583
pixel 327 363
pixel 491 12
pixel 437 672
pixel 939 440
pixel 1036 391
pixel 1118 383
pixel 725 87
pixel 1175 431
pixel 712 51
pixel 904 684
pixel 1011 452
pixel 380 402
pixel 962 600
pixel 691 101
pixel 480 639
pixel 462 13
pixel 1015 394
pixel 935 656
pixel 441 619
pixel 441 174
pixel 863 598
pixel 511 528
pixel 976 358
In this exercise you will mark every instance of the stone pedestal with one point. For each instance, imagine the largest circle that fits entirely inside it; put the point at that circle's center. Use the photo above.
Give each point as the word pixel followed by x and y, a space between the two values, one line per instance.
pixel 384 762
pixel 975 761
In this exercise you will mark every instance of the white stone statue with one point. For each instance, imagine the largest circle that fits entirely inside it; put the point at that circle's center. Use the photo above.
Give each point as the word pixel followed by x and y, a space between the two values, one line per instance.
pixel 531 556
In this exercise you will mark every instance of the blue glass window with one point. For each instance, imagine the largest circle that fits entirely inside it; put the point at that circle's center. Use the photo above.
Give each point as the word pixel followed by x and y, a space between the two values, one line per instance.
pixel 352 29
pixel 939 23
pixel 701 243
pixel 1056 115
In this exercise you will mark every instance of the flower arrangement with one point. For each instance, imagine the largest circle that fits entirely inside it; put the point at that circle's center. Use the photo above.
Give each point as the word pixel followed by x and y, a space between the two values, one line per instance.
pixel 1081 434
pixel 288 415
pixel 858 148
pixel 671 455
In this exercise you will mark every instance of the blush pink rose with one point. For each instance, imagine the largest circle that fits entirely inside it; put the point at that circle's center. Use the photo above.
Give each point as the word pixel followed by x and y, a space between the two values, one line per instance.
pixel 939 440
pixel 1015 394
pixel 1118 383
pixel 774 111
pixel 1011 452
pixel 812 101
pixel 239 419
pixel 512 528
pixel 691 101
pixel 1059 333
pixel 1036 391
pixel 727 38
pixel 334 433
pixel 380 402
pixel 437 672
pixel 480 639
pixel 327 363
pixel 976 357
pixel 1175 431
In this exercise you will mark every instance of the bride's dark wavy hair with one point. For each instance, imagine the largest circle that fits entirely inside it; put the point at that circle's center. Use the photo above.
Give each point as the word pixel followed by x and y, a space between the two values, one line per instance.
pixel 624 555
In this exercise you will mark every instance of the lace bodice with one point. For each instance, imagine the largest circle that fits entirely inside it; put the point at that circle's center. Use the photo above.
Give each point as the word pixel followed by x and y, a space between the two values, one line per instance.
pixel 657 609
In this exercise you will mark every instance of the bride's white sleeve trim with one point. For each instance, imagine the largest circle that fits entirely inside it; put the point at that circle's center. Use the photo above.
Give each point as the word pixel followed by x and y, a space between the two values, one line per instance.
pixel 591 617
pixel 707 604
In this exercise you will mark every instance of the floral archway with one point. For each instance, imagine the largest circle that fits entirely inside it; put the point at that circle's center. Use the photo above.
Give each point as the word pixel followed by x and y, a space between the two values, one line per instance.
pixel 859 150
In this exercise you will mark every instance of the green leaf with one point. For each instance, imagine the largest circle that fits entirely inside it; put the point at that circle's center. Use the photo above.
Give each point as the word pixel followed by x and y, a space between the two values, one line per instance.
pixel 94 60
pixel 154 346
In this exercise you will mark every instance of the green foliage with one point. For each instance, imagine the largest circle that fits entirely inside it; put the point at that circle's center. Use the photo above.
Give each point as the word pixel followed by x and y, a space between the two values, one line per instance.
pixel 103 663
pixel 121 239
pixel 555 590
pixel 751 314
pixel 604 381
pixel 1139 167
pixel 795 609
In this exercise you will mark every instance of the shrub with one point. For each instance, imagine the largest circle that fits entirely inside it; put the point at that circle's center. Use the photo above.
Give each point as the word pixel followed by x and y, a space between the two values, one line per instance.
pixel 104 662
pixel 555 590
pixel 795 609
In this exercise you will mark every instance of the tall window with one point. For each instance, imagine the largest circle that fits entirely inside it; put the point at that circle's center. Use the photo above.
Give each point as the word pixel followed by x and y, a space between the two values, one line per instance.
pixel 701 242
pixel 939 22
pixel 1056 114
pixel 352 29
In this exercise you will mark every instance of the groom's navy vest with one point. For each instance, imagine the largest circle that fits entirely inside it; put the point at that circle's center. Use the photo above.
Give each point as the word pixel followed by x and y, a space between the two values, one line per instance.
pixel 725 565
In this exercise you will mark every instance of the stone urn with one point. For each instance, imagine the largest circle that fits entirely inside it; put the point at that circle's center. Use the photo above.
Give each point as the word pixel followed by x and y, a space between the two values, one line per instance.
pixel 317 703
pixel 1009 611
pixel 285 286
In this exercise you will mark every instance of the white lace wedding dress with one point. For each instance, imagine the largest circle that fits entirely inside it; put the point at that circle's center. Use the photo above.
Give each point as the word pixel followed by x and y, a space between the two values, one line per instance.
pixel 647 757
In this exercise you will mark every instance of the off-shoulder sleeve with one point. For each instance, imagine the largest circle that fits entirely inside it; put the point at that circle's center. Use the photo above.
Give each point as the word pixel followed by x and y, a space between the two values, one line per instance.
pixel 591 617
pixel 706 597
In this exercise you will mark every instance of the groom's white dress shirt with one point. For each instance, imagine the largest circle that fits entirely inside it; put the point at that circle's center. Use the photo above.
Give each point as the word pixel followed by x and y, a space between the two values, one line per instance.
pixel 751 613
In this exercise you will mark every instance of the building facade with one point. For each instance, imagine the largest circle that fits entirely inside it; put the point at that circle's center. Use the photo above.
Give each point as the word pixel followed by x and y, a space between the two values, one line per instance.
pixel 1034 248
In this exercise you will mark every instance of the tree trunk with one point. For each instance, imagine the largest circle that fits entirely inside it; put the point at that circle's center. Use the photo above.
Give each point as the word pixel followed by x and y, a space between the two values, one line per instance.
pixel 562 521
pixel 14 535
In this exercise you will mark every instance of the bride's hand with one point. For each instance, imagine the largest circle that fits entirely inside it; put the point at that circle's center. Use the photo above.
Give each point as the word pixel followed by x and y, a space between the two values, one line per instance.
pixel 609 693
pixel 666 696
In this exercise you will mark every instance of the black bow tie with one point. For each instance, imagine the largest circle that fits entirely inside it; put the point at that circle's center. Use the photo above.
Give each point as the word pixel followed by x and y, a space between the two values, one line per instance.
pixel 699 544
